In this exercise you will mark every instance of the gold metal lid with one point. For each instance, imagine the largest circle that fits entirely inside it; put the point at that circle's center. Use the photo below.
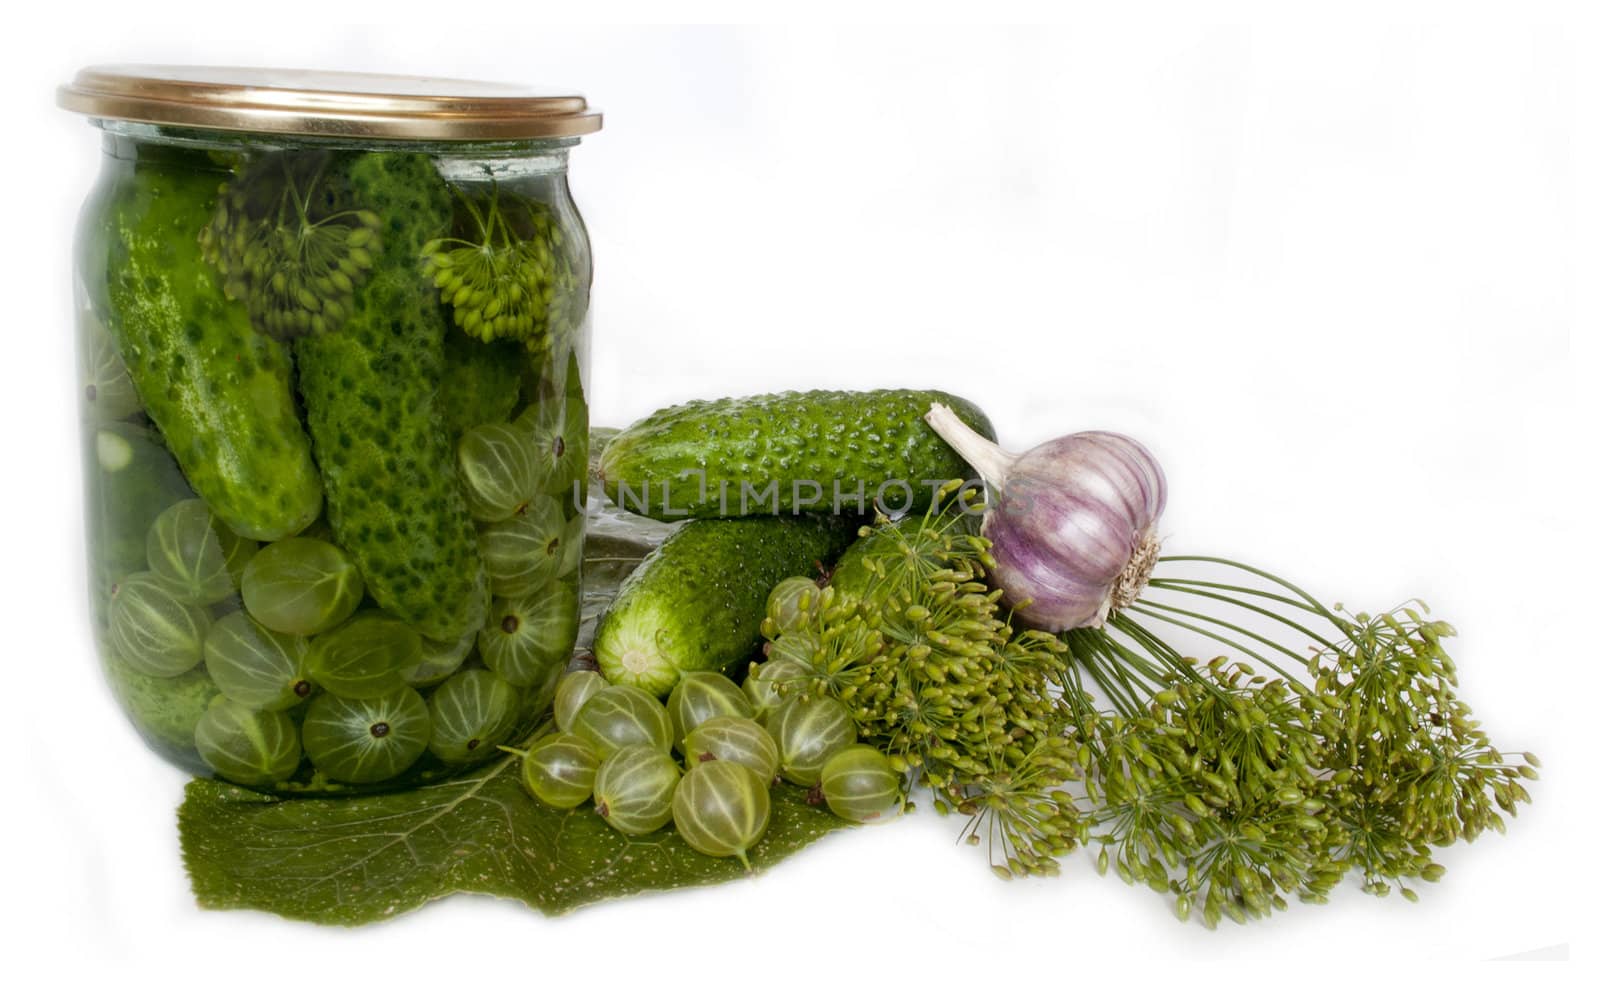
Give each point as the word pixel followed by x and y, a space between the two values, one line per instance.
pixel 325 104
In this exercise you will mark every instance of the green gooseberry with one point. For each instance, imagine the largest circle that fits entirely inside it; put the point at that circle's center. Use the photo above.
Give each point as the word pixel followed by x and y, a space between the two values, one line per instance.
pixel 153 630
pixel 859 784
pixel 255 666
pixel 472 713
pixel 194 555
pixel 366 740
pixel 559 771
pixel 572 692
pixel 701 695
pixel 439 660
pixel 623 715
pixel 633 789
pixel 524 553
pixel 247 745
pixel 789 605
pixel 722 809
pixel 301 585
pixel 497 470
pixel 809 730
pixel 763 685
pixel 524 638
pixel 366 656
pixel 559 434
pixel 732 740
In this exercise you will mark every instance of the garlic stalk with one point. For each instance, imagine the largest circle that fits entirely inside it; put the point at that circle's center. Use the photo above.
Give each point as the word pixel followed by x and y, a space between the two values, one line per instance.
pixel 1072 521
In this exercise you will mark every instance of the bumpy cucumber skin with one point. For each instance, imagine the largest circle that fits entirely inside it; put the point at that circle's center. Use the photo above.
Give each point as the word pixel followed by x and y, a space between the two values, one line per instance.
pixel 219 390
pixel 482 382
pixel 163 710
pixel 821 436
pixel 698 601
pixel 370 392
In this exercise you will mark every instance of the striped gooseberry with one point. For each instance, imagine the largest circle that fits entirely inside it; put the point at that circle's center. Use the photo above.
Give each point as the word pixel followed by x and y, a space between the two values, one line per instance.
pixel 559 771
pixel 472 712
pixel 194 555
pixel 365 740
pixel 246 745
pixel 721 809
pixel 559 431
pixel 789 606
pixel 809 730
pixel 701 695
pixel 859 784
pixel 633 789
pixel 623 715
pixel 366 656
pixel 524 552
pixel 153 630
pixel 763 684
pixel 255 666
pixel 301 585
pixel 732 740
pixel 573 692
pixel 495 462
pixel 525 638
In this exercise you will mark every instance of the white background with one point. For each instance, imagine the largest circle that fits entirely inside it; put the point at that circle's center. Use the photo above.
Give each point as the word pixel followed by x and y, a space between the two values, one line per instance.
pixel 1328 267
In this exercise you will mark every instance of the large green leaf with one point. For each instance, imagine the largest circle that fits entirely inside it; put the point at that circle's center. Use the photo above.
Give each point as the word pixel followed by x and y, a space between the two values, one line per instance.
pixel 355 860
pixel 360 859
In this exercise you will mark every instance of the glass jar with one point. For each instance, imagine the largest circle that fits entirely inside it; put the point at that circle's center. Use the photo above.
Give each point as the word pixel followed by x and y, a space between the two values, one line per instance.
pixel 333 334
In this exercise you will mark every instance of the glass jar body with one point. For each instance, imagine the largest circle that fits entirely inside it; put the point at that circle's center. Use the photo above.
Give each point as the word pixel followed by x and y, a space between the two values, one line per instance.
pixel 335 437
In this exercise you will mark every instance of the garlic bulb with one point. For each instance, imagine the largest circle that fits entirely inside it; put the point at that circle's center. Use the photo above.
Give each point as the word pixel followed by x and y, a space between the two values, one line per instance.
pixel 1072 521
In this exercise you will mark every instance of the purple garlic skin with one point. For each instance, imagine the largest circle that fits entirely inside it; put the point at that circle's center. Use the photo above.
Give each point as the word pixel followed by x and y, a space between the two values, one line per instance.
pixel 1074 528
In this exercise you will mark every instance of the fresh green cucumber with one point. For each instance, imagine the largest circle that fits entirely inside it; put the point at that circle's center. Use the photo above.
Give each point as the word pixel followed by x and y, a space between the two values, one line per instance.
pixel 370 391
pixel 824 451
pixel 219 391
pixel 556 419
pixel 697 602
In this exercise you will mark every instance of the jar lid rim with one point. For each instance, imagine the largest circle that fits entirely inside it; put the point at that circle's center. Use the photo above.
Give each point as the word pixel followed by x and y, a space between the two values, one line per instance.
pixel 326 104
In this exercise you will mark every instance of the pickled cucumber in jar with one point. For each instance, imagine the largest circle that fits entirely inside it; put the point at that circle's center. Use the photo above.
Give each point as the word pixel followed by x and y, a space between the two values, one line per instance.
pixel 331 399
